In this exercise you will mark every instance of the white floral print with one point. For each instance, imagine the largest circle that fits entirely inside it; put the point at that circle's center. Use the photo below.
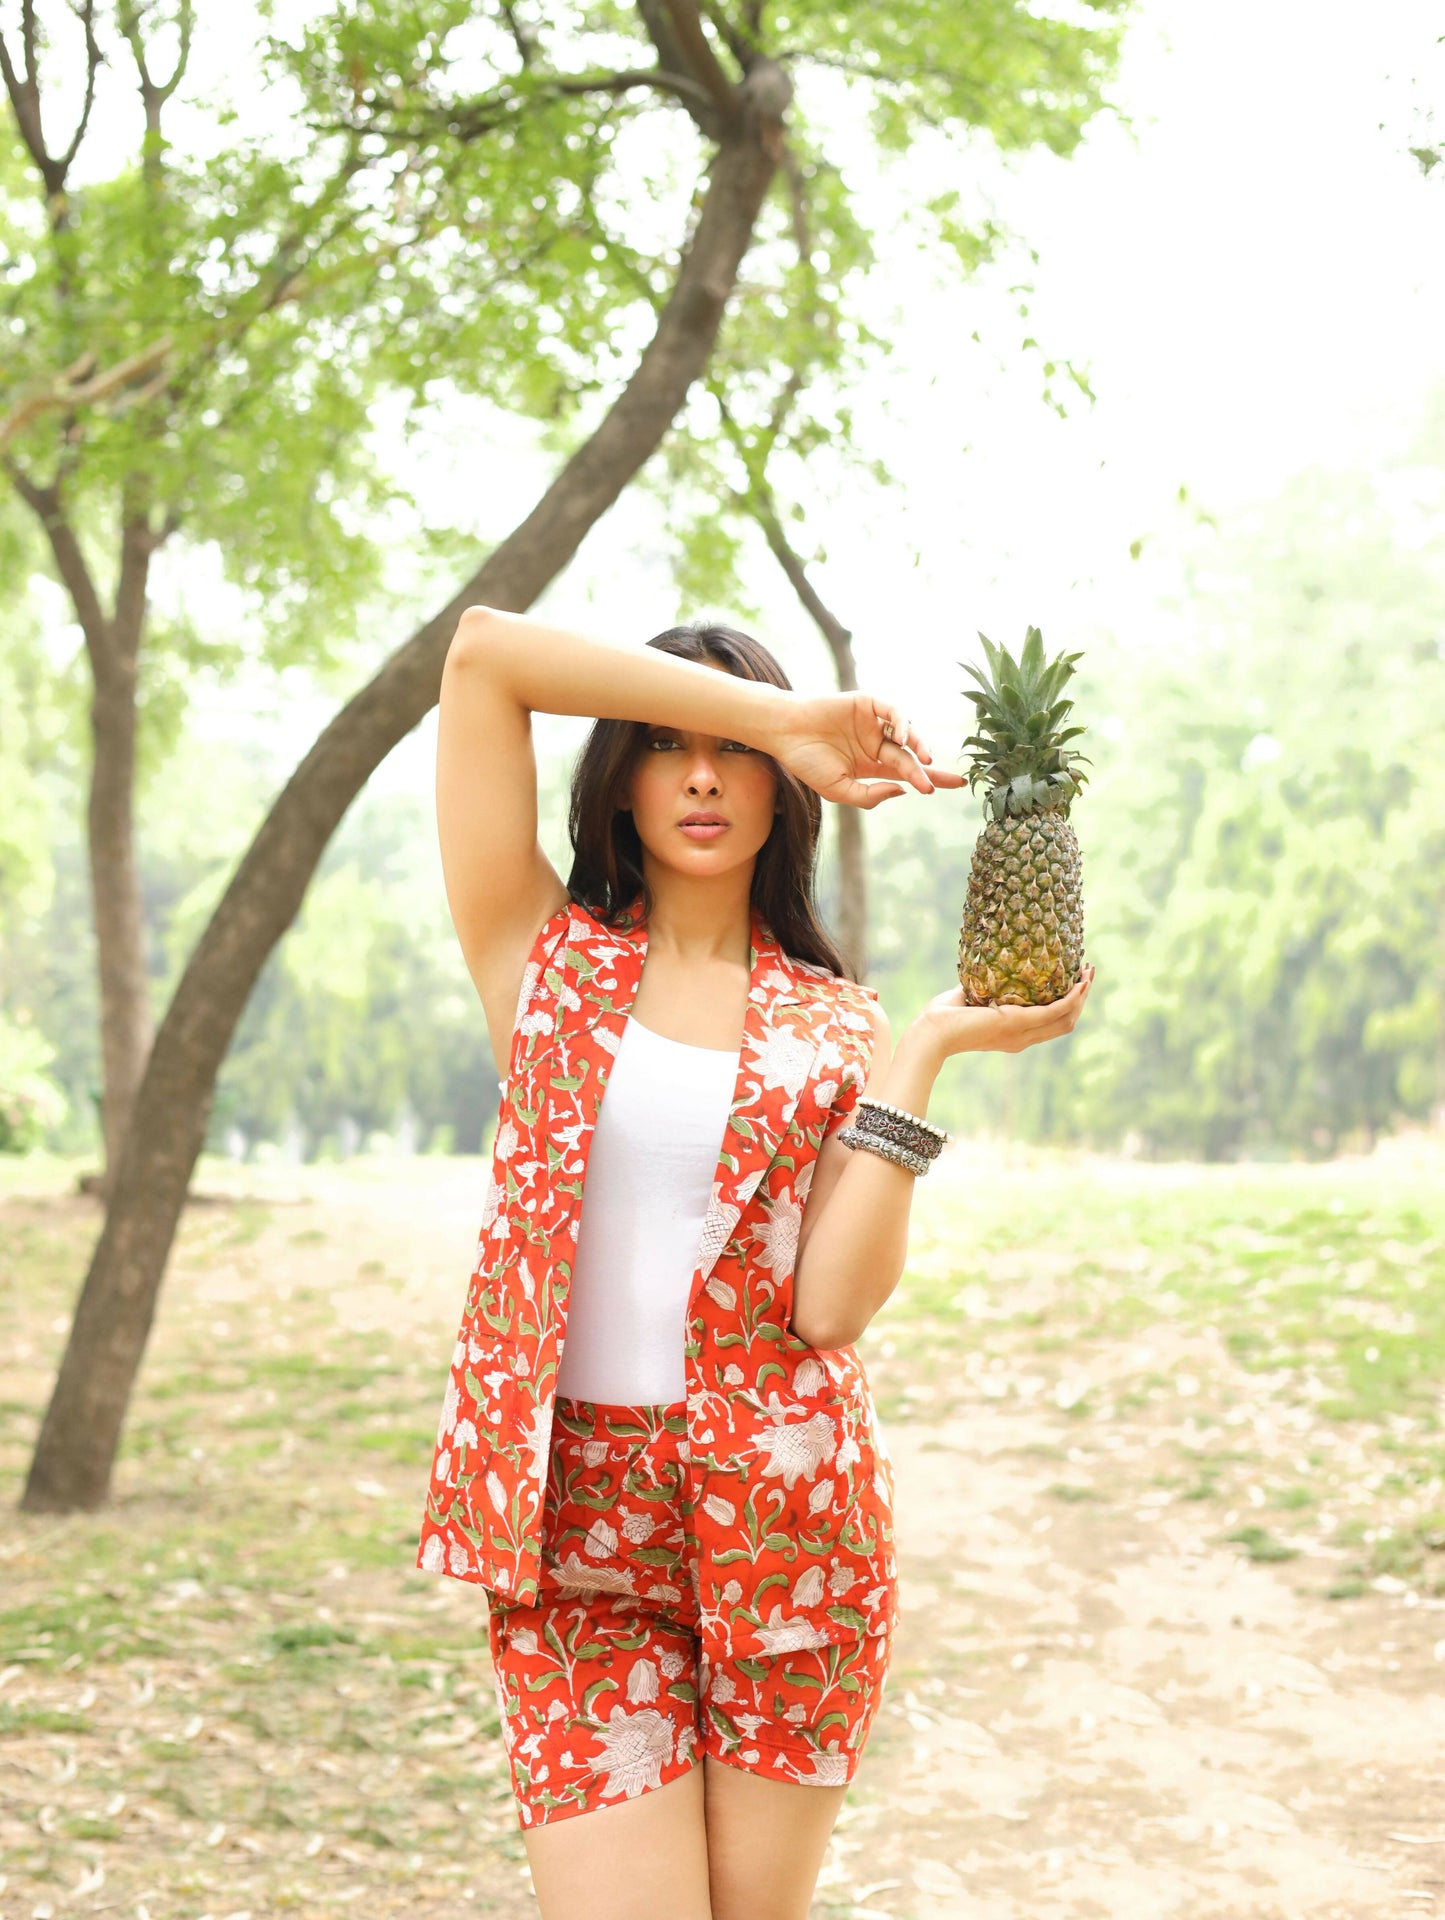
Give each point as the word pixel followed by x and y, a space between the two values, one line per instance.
pixel 799 1448
pixel 635 1748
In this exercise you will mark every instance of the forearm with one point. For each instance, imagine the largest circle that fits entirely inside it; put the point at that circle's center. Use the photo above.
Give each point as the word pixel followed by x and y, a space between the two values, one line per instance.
pixel 554 670
pixel 854 1258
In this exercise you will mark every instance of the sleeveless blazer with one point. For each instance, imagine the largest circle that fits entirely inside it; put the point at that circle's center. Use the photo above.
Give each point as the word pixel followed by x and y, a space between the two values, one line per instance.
pixel 789 1508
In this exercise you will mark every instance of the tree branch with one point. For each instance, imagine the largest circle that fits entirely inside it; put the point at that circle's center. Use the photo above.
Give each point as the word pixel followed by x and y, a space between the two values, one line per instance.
pixel 80 386
pixel 701 61
pixel 743 46
pixel 523 38
pixel 153 93
pixel 70 564
pixel 24 91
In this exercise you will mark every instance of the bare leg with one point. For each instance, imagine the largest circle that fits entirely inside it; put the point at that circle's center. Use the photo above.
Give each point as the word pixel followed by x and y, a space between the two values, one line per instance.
pixel 765 1842
pixel 641 1859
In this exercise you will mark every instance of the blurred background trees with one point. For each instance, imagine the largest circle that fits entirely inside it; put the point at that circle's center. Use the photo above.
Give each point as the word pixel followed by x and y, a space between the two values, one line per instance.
pixel 1264 846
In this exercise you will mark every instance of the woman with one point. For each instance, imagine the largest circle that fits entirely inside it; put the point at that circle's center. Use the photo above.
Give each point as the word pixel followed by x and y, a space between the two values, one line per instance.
pixel 657 1452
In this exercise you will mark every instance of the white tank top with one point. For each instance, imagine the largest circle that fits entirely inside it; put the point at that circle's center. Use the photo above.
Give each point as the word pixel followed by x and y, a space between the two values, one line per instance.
pixel 650 1170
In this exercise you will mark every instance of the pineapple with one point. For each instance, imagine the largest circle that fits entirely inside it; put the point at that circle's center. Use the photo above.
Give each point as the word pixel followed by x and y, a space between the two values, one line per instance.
pixel 1022 938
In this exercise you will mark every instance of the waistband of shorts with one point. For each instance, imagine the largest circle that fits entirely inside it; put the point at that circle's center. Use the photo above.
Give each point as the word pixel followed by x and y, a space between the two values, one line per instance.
pixel 620 1424
pixel 600 1408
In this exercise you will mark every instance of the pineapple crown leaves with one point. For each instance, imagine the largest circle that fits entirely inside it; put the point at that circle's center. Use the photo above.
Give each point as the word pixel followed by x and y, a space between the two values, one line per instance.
pixel 1021 751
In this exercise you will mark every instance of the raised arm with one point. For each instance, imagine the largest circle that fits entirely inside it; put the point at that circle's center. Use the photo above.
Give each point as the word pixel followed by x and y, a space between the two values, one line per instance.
pixel 502 667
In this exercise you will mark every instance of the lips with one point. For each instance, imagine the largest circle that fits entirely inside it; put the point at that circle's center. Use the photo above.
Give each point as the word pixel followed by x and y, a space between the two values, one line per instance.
pixel 703 820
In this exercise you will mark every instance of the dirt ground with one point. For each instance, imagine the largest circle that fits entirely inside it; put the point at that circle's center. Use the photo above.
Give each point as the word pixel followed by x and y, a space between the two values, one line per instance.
pixel 1173 1602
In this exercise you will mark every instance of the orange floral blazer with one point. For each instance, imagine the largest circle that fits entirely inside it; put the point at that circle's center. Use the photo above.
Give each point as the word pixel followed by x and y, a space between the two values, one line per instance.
pixel 790 1505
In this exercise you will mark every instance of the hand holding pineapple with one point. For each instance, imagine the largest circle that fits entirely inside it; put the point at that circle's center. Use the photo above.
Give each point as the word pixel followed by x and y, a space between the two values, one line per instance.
pixel 953 1026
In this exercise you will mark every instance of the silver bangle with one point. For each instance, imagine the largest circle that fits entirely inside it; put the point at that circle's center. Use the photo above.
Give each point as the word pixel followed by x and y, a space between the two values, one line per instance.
pixel 902 1113
pixel 890 1126
pixel 888 1149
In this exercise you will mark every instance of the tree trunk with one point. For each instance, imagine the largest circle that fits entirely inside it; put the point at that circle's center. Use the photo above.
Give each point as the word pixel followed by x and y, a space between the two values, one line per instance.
pixel 852 914
pixel 112 643
pixel 119 912
pixel 81 1430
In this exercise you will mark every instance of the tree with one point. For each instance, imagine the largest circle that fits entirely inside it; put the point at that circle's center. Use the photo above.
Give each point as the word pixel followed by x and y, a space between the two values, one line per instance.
pixel 195 342
pixel 377 84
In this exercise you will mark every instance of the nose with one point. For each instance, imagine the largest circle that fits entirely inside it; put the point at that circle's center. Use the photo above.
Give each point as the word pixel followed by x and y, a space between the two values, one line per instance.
pixel 702 775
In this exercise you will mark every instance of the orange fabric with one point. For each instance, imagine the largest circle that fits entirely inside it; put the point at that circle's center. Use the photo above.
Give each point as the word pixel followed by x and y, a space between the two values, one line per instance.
pixel 604 1687
pixel 789 1520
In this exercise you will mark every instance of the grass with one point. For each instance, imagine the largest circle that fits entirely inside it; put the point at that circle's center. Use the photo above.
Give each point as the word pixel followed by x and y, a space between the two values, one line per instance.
pixel 237 1652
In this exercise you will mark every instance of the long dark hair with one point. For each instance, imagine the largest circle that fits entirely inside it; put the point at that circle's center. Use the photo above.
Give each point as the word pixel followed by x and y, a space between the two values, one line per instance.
pixel 607 853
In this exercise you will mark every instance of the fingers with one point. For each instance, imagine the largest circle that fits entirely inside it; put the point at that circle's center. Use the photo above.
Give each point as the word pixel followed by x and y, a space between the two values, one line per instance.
pixel 1059 1017
pixel 864 793
pixel 901 749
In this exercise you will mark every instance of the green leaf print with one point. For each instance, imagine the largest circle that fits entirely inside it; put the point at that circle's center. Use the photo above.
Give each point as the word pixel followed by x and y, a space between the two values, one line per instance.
pixel 724 1726
pixel 683 1690
pixel 744 1129
pixel 754 1669
pixel 655 1556
pixel 772 1580
pixel 848 1617
pixel 849 1682
pixel 779 1542
pixel 600 1686
pixel 836 1718
pixel 569 1082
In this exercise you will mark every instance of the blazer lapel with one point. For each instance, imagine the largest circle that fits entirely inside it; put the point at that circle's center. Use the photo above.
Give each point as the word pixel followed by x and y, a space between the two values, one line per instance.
pixel 778 1055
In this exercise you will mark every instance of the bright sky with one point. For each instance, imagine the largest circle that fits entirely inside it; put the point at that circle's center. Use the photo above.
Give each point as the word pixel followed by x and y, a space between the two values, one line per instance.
pixel 1253 276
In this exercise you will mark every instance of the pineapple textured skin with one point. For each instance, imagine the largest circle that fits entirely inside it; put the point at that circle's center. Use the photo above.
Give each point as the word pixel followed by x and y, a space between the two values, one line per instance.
pixel 1022 940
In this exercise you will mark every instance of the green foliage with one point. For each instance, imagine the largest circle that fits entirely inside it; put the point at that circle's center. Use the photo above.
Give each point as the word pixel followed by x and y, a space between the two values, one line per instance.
pixel 365 1019
pixel 33 727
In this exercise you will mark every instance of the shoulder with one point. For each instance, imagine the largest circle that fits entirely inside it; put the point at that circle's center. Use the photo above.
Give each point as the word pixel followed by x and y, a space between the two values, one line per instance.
pixel 856 1010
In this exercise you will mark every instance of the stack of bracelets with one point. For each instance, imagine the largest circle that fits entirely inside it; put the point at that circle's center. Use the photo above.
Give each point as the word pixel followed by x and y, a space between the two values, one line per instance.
pixel 895 1133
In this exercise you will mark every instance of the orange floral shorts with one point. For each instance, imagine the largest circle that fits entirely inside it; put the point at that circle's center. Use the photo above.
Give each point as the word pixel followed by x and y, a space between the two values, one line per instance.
pixel 604 1688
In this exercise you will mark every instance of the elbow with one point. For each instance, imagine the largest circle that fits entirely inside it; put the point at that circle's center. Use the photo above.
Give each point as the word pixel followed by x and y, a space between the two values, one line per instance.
pixel 473 639
pixel 824 1336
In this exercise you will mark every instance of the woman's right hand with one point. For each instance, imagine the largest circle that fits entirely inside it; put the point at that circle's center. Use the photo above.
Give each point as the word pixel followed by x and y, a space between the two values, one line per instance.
pixel 835 743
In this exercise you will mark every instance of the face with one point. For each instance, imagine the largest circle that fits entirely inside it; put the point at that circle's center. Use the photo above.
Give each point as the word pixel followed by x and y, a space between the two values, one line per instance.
pixel 679 774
